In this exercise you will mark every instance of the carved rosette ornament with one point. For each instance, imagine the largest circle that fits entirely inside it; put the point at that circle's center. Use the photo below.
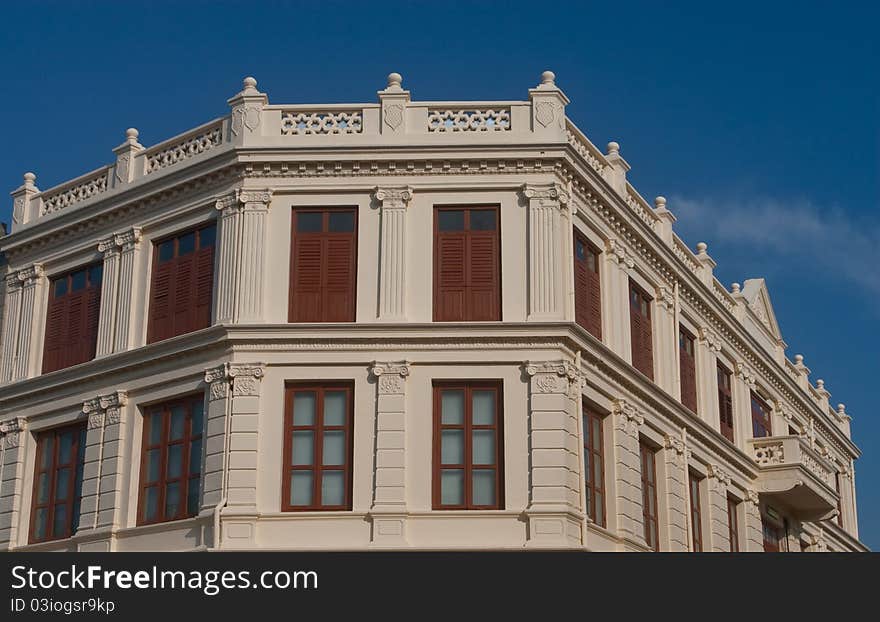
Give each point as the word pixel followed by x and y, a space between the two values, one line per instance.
pixel 390 376
pixel 710 339
pixel 12 432
pixel 554 377
pixel 627 418
pixel 719 477
pixel 619 254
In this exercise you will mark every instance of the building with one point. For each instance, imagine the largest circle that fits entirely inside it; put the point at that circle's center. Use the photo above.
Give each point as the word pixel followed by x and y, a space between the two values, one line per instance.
pixel 424 325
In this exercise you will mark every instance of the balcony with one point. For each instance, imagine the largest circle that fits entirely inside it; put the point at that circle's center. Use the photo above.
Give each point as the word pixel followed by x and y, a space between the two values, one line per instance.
pixel 793 474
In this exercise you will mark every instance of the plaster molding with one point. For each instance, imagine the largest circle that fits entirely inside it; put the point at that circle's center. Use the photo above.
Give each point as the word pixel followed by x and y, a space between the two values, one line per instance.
pixel 627 417
pixel 393 197
pixel 12 431
pixel 390 376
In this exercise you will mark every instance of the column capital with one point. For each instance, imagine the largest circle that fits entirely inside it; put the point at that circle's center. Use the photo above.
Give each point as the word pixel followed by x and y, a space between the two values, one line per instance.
pixel 217 379
pixel 627 417
pixel 619 254
pixel 677 445
pixel 12 431
pixel 26 277
pixel 719 477
pixel 243 200
pixel 665 298
pixel 546 195
pixel 105 409
pixel 390 376
pixel 709 339
pixel 128 240
pixel 746 374
pixel 246 378
pixel 393 197
pixel 553 376
pixel 753 497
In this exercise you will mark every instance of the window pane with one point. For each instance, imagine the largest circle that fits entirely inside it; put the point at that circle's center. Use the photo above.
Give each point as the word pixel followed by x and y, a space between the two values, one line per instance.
pixel 207 236
pixel 484 446
pixel 151 503
pixel 62 484
pixel 178 422
pixel 60 287
pixel 341 222
pixel 334 408
pixel 450 220
pixel 65 449
pixel 78 281
pixel 483 486
pixel 153 458
pixel 40 523
pixel 303 448
pixel 580 250
pixel 156 421
pixel 452 407
pixel 483 220
pixel 452 447
pixel 301 487
pixel 309 222
pixel 304 408
pixel 452 487
pixel 195 457
pixel 43 488
pixel 46 452
pixel 172 500
pixel 597 435
pixel 192 496
pixel 96 273
pixel 198 414
pixel 175 461
pixel 597 470
pixel 166 251
pixel 60 524
pixel 334 448
pixel 483 404
pixel 332 488
pixel 186 244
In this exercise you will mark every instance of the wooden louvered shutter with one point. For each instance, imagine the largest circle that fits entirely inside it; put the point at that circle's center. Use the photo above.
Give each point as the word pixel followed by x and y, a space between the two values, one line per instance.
pixel 340 265
pixel 305 296
pixel 647 344
pixel 635 321
pixel 482 273
pixel 161 299
pixel 688 370
pixel 595 297
pixel 204 287
pixel 56 332
pixel 92 311
pixel 640 330
pixel 588 302
pixel 183 286
pixel 450 276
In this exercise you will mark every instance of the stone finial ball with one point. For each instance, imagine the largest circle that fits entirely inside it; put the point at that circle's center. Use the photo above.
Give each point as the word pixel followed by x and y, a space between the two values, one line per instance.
pixel 841 408
pixel 250 82
pixel 548 77
pixel 659 202
pixel 613 147
pixel 798 359
pixel 820 384
pixel 394 79
pixel 701 247
pixel 132 133
pixel 29 177
pixel 734 287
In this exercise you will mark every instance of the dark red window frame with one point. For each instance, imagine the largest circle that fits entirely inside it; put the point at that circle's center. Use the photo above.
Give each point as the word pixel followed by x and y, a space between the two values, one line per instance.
pixel 318 428
pixel 594 465
pixel 762 425
pixel 172 428
pixel 733 524
pixel 725 401
pixel 323 264
pixel 696 511
pixel 687 368
pixel 53 474
pixel 467 428
pixel 182 283
pixel 837 485
pixel 650 511
pixel 587 286
pixel 467 265
pixel 641 332
pixel 772 535
pixel 72 318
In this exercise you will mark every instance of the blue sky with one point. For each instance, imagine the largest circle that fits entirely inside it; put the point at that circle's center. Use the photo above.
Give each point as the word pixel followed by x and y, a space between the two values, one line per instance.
pixel 759 121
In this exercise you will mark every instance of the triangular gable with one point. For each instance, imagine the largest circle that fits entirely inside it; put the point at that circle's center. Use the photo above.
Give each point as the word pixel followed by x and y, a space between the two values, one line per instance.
pixel 758 298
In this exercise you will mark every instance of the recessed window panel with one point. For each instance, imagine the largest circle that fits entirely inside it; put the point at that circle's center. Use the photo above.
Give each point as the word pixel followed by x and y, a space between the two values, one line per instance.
pixel 341 221
pixel 309 222
pixel 483 220
pixel 450 220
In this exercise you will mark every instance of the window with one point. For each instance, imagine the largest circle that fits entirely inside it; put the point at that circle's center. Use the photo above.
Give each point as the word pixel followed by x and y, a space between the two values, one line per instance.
pixel 696 512
pixel 468 446
pixel 594 466
pixel 772 536
pixel 323 265
pixel 467 266
pixel 760 417
pixel 837 485
pixel 317 447
pixel 732 525
pixel 725 402
pixel 649 496
pixel 587 296
pixel 58 475
pixel 687 368
pixel 183 284
pixel 72 318
pixel 640 330
pixel 171 465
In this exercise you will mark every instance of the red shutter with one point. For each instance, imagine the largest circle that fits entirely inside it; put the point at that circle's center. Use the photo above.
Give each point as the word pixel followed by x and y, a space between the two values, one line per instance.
pixel 483 275
pixel 635 335
pixel 161 299
pixel 595 298
pixel 339 278
pixel 647 346
pixel 640 331
pixel 183 309
pixel 306 278
pixel 56 333
pixel 204 287
pixel 688 372
pixel 587 297
pixel 71 325
pixel 91 316
pixel 450 277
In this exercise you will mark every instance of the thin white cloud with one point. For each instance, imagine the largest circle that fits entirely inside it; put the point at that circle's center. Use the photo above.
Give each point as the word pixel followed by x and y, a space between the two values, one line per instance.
pixel 825 239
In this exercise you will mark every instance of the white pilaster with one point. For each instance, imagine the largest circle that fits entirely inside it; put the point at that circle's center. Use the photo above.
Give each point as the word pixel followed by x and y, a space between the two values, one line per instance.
pixel 665 345
pixel 393 203
pixel 109 299
pixel 546 291
pixel 24 317
pixel 615 301
pixel 719 525
pixel 628 472
pixel 11 324
pixel 12 454
pixel 744 381
pixel 753 537
pixel 213 484
pixel 674 458
pixel 129 244
pixel 708 346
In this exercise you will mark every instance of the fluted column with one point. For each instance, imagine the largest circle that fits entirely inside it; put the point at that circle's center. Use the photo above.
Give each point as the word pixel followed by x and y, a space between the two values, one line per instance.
pixel 628 472
pixel 675 461
pixel 753 536
pixel 241 256
pixel 666 343
pixel 719 523
pixel 109 288
pixel 707 347
pixel 555 519
pixel 11 325
pixel 389 496
pixel 393 203
pixel 21 326
pixel 744 381
pixel 546 292
pixel 129 244
pixel 12 453
pixel 615 304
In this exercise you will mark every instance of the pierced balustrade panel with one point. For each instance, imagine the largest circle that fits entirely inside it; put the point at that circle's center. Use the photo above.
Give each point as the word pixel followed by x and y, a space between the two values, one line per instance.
pixel 769 453
pixel 57 200
pixel 469 120
pixel 164 156
pixel 337 122
pixel 586 151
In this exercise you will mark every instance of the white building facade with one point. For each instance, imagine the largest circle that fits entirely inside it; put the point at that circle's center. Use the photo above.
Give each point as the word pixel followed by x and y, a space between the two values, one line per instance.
pixel 395 325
